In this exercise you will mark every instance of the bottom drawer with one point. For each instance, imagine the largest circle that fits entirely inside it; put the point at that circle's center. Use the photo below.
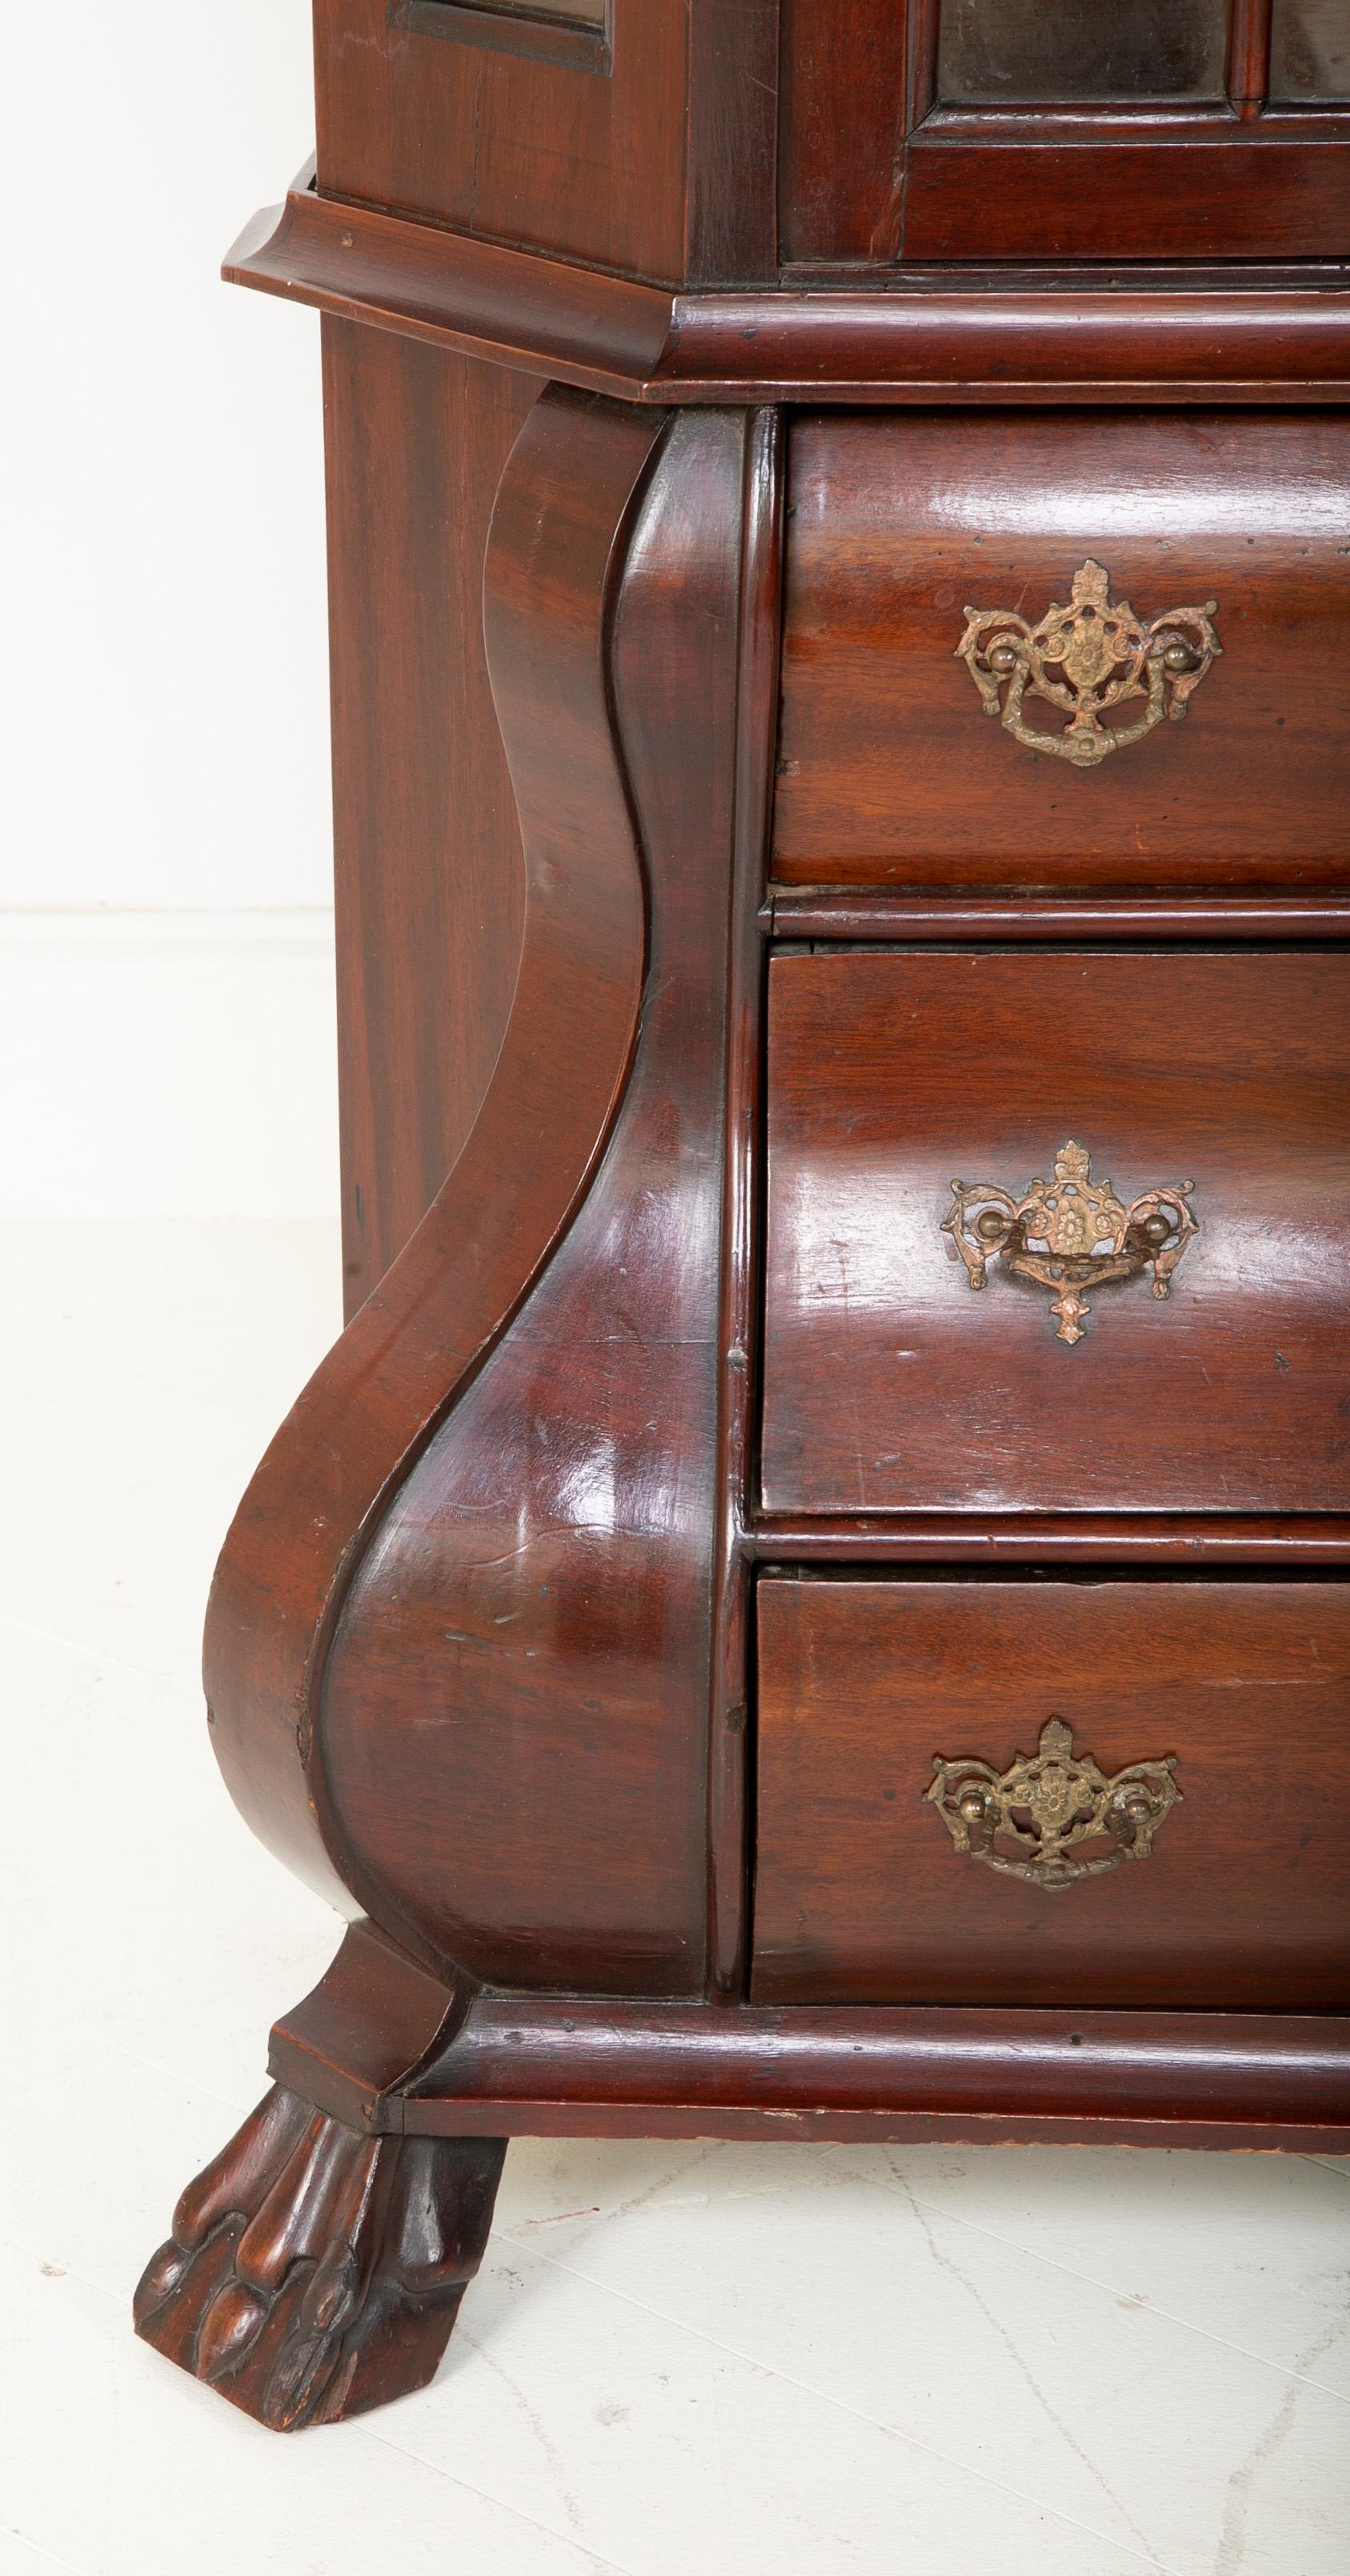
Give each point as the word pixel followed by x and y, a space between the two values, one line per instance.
pixel 1178 1832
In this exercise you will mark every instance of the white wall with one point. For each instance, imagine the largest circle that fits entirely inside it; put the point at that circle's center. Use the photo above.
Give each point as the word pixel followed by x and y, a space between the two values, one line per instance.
pixel 163 707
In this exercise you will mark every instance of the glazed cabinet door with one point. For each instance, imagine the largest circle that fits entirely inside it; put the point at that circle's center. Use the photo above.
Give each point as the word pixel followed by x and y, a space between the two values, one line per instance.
pixel 1109 130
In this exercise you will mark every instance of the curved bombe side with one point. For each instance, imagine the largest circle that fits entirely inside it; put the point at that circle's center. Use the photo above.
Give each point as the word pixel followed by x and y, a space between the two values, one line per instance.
pixel 316 1501
pixel 514 1724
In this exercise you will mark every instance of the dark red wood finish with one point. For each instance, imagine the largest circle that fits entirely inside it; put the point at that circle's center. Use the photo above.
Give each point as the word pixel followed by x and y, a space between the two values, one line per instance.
pixel 942 336
pixel 313 2272
pixel 559 536
pixel 508 1737
pixel 653 154
pixel 578 2066
pixel 889 770
pixel 480 1652
pixel 860 1894
pixel 880 170
pixel 889 1386
pixel 429 870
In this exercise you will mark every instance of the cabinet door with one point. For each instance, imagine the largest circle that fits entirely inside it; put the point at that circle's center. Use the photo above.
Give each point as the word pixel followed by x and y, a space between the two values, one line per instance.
pixel 1103 130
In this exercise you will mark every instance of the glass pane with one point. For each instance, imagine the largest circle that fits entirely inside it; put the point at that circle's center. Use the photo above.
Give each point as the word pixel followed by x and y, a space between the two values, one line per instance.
pixel 1311 54
pixel 1063 53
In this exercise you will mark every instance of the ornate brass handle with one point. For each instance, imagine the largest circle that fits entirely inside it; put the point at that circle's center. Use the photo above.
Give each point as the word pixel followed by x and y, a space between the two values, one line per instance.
pixel 1084 659
pixel 1056 1815
pixel 1071 1233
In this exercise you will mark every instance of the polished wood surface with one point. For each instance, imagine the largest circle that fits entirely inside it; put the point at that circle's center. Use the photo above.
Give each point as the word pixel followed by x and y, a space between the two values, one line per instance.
pixel 515 1713
pixel 430 879
pixel 577 2066
pixel 827 913
pixel 941 336
pixel 889 1386
pixel 890 772
pixel 860 1895
pixel 689 365
pixel 1200 194
pixel 652 153
pixel 562 516
pixel 885 162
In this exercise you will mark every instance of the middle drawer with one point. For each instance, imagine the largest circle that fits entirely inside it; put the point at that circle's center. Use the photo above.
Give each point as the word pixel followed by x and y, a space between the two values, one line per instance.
pixel 1140 1164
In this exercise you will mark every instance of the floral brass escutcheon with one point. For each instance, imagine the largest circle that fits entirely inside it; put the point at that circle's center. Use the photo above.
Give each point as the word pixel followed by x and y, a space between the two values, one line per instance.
pixel 1064 1818
pixel 1071 1233
pixel 1093 655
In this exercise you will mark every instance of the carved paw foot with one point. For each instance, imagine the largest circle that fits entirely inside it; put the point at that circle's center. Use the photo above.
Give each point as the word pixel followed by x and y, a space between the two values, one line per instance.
pixel 313 2273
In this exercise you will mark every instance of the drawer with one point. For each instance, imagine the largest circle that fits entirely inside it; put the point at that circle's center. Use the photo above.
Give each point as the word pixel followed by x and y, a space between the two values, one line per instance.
pixel 1215 1873
pixel 1065 1383
pixel 890 770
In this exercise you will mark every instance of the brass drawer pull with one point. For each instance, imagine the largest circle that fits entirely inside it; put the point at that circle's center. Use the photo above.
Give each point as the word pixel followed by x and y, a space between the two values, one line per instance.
pixel 1085 658
pixel 1049 1803
pixel 1071 1233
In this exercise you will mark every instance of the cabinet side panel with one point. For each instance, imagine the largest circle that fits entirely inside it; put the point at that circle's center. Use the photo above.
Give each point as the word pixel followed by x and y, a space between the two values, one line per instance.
pixel 427 846
pixel 508 148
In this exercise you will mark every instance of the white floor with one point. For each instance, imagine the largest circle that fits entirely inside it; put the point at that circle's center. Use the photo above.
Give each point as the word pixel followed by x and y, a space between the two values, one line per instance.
pixel 771 2361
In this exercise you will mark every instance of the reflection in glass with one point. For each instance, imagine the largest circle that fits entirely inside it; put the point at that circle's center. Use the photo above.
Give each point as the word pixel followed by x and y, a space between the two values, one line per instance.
pixel 1052 53
pixel 1310 58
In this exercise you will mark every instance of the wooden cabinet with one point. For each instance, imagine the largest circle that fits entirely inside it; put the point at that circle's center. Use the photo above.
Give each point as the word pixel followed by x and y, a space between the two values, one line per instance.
pixel 809 1599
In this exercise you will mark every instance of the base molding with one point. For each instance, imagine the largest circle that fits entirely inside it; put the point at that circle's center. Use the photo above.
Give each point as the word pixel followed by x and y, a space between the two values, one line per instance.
pixel 515 2065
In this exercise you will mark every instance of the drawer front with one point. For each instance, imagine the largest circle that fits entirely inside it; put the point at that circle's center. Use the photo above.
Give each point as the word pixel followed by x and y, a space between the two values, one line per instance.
pixel 1228 1705
pixel 890 770
pixel 892 1385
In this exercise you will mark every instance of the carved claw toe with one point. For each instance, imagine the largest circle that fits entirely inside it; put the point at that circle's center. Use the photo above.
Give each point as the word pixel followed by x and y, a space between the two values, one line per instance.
pixel 312 2272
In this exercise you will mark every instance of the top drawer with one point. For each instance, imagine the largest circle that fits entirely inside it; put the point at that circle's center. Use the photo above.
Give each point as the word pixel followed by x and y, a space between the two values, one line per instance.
pixel 891 772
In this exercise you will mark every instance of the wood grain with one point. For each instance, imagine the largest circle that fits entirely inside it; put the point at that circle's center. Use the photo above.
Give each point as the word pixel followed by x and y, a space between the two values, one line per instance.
pixel 298 1536
pixel 861 1896
pixel 940 336
pixel 512 149
pixel 1240 192
pixel 572 2066
pixel 430 877
pixel 560 2066
pixel 890 1387
pixel 515 1720
pixel 890 772
pixel 314 2273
